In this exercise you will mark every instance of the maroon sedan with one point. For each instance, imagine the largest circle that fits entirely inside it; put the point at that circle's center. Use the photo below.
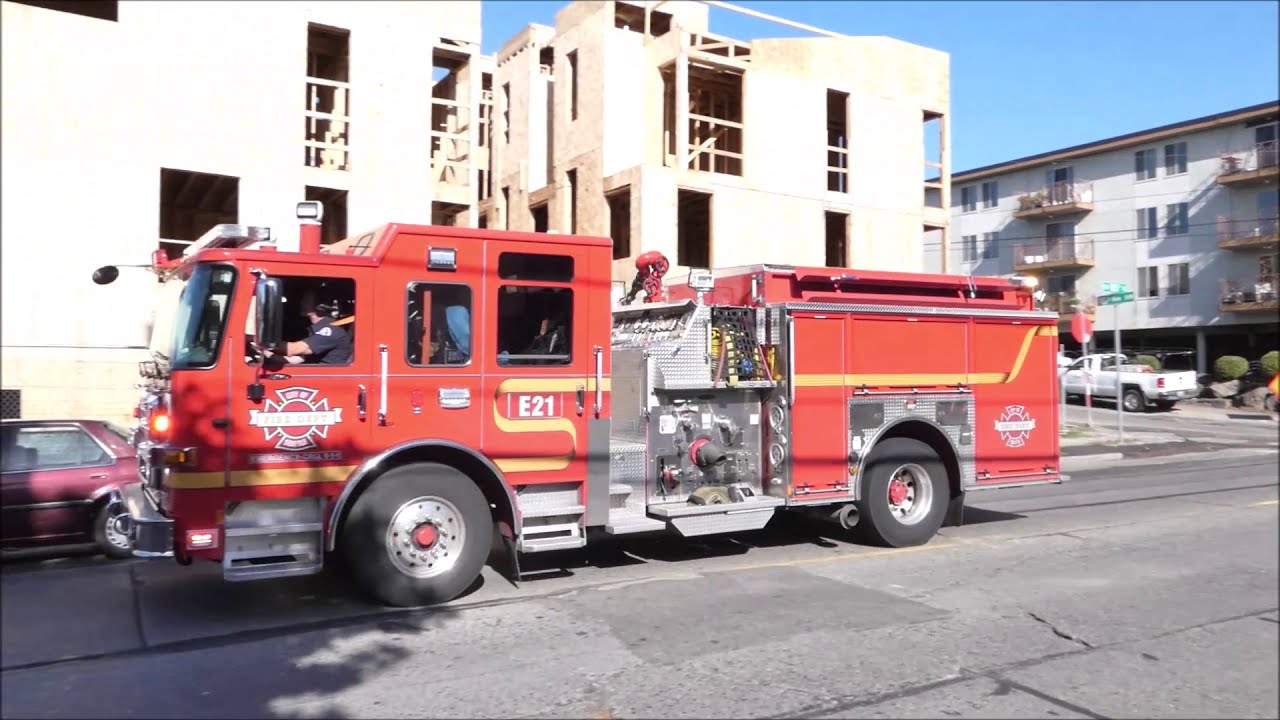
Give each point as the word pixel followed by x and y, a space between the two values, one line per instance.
pixel 59 483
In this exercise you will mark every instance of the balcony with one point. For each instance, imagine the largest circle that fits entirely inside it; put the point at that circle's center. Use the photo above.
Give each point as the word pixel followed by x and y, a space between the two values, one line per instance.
pixel 1257 166
pixel 1251 295
pixel 1056 200
pixel 1054 254
pixel 1250 234
pixel 328 124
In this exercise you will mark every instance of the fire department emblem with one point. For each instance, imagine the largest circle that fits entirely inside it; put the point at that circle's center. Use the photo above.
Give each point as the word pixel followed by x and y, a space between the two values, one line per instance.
pixel 1015 426
pixel 295 419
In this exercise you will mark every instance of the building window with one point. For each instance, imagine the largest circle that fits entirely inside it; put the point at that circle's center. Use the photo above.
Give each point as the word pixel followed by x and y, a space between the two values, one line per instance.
pixel 969 243
pixel 1145 227
pixel 1178 279
pixel 328 119
pixel 619 203
pixel 968 199
pixel 1148 282
pixel 438 323
pixel 98 9
pixel 990 194
pixel 1175 158
pixel 1175 222
pixel 837 141
pixel 10 404
pixel 990 246
pixel 191 203
pixel 1144 165
pixel 837 225
pixel 572 57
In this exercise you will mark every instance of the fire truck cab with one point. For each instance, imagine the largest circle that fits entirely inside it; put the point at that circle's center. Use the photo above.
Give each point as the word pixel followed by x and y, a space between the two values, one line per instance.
pixel 493 392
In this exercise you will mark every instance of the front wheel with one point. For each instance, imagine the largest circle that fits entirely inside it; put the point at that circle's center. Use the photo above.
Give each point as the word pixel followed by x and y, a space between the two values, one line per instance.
pixel 419 535
pixel 904 493
pixel 111 531
pixel 1133 400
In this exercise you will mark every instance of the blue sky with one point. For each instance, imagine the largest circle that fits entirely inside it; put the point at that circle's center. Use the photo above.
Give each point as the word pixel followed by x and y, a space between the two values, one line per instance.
pixel 1028 77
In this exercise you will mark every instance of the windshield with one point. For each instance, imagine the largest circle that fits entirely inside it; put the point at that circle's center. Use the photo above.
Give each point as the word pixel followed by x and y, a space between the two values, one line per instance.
pixel 202 317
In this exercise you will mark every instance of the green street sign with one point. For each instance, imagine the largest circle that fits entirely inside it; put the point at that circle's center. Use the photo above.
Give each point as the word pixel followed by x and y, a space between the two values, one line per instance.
pixel 1115 298
pixel 1114 288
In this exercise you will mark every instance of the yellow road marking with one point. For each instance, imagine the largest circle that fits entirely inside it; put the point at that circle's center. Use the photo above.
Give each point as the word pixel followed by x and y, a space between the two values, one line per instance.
pixel 1265 502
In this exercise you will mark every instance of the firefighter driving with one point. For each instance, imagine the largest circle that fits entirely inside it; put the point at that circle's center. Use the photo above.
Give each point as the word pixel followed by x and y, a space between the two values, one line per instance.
pixel 409 397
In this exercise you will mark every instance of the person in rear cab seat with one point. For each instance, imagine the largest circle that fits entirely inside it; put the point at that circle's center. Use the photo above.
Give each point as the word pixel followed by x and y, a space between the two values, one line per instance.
pixel 328 344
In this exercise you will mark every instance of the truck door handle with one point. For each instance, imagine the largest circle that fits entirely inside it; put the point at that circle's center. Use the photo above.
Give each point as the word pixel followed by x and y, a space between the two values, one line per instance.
pixel 221 423
pixel 362 401
pixel 582 398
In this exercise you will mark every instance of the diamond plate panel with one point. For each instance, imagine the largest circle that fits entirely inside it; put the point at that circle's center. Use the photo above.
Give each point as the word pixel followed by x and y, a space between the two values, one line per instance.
pixel 627 467
pixel 895 410
pixel 541 498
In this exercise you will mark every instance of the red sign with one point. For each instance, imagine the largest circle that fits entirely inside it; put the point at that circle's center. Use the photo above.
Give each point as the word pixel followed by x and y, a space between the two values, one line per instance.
pixel 1081 328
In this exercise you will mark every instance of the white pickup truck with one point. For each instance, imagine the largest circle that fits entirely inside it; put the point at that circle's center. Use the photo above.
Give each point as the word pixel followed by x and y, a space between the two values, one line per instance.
pixel 1140 386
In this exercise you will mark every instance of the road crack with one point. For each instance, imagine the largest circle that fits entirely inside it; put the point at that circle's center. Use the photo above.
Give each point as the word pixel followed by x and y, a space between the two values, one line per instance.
pixel 1059 632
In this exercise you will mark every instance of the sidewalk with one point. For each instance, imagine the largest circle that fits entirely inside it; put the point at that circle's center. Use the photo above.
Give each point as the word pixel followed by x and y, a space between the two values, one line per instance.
pixel 1083 447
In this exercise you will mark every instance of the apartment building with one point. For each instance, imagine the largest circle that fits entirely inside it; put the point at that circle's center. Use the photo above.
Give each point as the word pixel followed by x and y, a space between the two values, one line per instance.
pixel 135 126
pixel 634 121
pixel 1185 214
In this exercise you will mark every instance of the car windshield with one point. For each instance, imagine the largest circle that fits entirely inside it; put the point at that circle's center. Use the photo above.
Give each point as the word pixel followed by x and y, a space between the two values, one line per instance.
pixel 202 317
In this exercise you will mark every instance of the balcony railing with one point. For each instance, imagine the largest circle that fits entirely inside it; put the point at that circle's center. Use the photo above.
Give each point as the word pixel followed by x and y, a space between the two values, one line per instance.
pixel 1060 198
pixel 328 124
pixel 1054 254
pixel 1249 234
pixel 1255 294
pixel 1260 163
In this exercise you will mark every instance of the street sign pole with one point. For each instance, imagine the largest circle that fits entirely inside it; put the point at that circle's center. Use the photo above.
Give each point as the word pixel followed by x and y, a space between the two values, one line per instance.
pixel 1088 389
pixel 1082 331
pixel 1119 390
pixel 1115 294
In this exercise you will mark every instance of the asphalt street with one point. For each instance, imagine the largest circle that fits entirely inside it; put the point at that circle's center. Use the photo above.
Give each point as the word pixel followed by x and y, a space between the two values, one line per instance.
pixel 1246 429
pixel 1142 592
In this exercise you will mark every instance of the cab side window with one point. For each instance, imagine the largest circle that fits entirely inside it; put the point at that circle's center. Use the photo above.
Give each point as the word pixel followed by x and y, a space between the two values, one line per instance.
pixel 439 325
pixel 318 311
pixel 535 309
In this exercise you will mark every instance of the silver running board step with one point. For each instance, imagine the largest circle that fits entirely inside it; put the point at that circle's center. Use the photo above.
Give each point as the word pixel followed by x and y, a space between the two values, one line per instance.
pixel 752 513
pixel 273 538
pixel 629 525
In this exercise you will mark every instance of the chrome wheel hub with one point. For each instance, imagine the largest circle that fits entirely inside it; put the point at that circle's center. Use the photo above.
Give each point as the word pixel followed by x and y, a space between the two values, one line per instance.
pixel 425 536
pixel 910 494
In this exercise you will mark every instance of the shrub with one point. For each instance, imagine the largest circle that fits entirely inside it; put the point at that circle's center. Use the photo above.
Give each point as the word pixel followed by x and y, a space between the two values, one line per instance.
pixel 1270 363
pixel 1150 361
pixel 1230 367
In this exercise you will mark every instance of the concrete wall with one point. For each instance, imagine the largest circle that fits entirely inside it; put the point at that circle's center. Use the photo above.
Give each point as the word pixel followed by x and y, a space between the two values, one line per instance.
pixel 774 211
pixel 1111 226
pixel 202 86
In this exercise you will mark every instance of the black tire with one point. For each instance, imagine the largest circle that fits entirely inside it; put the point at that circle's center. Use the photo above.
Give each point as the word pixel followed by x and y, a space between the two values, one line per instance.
pixel 1165 405
pixel 878 524
pixel 105 515
pixel 1133 400
pixel 363 537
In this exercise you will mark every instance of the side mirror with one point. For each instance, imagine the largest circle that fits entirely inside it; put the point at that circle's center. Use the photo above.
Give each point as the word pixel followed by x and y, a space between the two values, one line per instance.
pixel 106 274
pixel 270 309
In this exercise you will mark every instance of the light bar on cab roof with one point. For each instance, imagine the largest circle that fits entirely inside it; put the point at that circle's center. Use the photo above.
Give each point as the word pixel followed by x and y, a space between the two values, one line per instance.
pixel 229 236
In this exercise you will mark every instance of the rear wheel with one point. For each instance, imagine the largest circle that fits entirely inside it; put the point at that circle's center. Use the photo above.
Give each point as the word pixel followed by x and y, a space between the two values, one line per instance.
pixel 904 493
pixel 1133 400
pixel 111 531
pixel 1165 405
pixel 419 535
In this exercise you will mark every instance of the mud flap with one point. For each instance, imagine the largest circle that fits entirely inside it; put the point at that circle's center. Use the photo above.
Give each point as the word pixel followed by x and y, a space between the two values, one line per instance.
pixel 955 512
pixel 504 558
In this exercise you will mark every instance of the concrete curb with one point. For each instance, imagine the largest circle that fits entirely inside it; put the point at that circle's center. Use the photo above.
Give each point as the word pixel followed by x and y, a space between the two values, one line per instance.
pixel 1076 463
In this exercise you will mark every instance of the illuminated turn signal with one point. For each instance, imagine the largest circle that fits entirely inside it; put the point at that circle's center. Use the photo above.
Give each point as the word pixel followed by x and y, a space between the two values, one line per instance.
pixel 160 423
pixel 202 539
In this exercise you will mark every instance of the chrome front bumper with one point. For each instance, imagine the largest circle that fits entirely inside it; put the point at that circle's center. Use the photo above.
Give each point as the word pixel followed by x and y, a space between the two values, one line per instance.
pixel 150 532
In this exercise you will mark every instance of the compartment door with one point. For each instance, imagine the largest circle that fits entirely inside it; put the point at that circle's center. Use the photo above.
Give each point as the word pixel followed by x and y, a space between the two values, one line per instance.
pixel 819 437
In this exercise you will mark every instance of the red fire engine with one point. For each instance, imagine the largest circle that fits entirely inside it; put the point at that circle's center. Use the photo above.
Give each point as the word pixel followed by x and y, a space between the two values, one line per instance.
pixel 492 383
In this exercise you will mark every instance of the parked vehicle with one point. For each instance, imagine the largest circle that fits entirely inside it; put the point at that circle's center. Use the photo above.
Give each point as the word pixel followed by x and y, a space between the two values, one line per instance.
pixel 60 484
pixel 1139 386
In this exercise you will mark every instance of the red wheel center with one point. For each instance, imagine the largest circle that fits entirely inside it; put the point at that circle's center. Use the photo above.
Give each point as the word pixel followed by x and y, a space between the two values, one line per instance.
pixel 425 535
pixel 897 492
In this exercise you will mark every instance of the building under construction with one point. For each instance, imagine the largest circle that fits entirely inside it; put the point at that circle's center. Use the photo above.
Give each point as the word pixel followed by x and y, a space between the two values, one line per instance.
pixel 633 120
